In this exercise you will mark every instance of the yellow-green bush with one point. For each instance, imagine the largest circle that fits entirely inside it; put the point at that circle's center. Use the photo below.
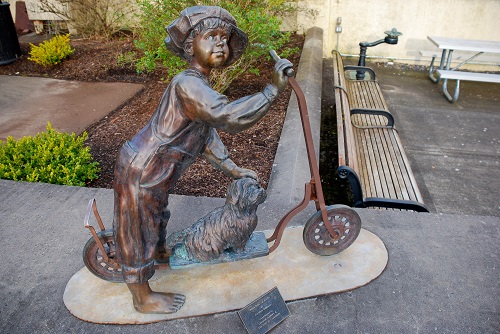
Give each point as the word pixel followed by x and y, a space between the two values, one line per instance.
pixel 52 51
pixel 50 157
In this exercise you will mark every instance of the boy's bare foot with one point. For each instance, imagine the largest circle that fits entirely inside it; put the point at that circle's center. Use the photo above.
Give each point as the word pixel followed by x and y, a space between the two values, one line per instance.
pixel 148 301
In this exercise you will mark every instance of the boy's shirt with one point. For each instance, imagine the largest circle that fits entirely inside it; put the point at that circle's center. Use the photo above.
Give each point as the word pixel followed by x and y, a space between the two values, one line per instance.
pixel 182 127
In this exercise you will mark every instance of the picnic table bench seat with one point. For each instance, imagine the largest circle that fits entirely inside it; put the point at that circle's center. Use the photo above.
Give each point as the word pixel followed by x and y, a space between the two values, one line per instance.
pixel 468 50
pixel 466 76
pixel 370 152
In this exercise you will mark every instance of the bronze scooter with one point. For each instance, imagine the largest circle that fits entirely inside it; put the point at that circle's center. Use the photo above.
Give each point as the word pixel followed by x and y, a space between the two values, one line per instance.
pixel 329 231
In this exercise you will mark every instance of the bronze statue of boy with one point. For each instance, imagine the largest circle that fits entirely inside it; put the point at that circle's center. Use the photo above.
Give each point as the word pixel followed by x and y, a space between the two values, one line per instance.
pixel 182 127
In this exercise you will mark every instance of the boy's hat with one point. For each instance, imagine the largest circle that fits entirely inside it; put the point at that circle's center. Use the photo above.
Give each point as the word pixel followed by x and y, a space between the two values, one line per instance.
pixel 180 29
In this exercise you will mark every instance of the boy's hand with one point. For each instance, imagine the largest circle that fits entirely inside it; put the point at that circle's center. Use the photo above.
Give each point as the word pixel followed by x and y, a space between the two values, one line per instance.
pixel 280 79
pixel 238 173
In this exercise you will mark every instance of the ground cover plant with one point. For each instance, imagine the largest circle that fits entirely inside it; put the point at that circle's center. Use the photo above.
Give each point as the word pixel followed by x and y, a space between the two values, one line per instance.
pixel 52 51
pixel 50 157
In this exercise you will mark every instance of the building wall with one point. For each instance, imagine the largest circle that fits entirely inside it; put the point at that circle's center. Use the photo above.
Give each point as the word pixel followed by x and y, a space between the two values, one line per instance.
pixel 366 20
pixel 12 8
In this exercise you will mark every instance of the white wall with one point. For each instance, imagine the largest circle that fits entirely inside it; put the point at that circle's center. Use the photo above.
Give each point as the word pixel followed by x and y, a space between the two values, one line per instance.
pixel 366 20
pixel 35 11
pixel 12 8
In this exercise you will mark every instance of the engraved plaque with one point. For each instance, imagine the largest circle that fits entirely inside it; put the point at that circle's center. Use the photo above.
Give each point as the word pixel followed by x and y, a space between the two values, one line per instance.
pixel 264 313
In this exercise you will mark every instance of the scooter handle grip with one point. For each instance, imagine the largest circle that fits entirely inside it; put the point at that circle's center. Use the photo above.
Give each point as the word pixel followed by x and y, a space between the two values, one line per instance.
pixel 288 71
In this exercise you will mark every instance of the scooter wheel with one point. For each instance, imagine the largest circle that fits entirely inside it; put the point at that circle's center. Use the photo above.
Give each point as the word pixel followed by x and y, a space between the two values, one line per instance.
pixel 345 222
pixel 95 262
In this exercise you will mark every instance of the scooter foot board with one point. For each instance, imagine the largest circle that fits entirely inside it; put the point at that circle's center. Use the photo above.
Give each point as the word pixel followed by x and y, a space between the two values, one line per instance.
pixel 255 247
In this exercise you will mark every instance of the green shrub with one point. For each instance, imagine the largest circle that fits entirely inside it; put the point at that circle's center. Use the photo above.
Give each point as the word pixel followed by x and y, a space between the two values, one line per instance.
pixel 50 157
pixel 259 19
pixel 52 51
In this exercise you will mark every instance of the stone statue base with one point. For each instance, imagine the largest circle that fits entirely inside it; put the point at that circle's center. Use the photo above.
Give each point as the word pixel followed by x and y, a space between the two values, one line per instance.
pixel 296 272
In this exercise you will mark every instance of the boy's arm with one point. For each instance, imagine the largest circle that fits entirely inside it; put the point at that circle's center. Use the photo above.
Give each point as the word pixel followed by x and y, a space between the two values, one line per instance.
pixel 218 156
pixel 202 103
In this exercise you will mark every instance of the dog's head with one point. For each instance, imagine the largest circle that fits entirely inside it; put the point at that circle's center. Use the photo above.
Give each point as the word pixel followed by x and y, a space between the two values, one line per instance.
pixel 245 193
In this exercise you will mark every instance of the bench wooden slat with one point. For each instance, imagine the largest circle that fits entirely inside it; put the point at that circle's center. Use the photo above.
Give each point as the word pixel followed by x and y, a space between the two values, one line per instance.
pixel 346 151
pixel 386 164
pixel 381 147
pixel 396 179
pixel 405 175
pixel 373 172
pixel 396 190
pixel 366 156
pixel 367 182
pixel 469 76
pixel 381 162
pixel 402 177
pixel 365 148
pixel 371 151
pixel 361 96
pixel 400 171
pixel 376 148
pixel 410 177
pixel 340 129
pixel 371 155
pixel 366 95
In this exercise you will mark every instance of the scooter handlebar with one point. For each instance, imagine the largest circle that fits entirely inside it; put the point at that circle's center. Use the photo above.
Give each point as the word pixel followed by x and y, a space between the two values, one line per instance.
pixel 288 71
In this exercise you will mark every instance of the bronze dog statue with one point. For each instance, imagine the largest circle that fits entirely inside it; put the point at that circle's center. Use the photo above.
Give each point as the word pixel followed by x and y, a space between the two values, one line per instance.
pixel 227 227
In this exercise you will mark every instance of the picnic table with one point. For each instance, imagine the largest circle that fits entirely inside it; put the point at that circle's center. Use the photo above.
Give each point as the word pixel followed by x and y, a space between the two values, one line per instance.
pixel 448 46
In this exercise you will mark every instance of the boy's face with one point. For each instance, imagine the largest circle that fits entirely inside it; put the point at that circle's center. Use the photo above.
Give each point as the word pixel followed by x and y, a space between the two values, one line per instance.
pixel 210 48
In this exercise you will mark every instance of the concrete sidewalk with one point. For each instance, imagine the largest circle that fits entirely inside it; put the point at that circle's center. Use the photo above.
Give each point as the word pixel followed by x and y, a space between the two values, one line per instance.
pixel 454 147
pixel 442 275
pixel 443 269
pixel 28 103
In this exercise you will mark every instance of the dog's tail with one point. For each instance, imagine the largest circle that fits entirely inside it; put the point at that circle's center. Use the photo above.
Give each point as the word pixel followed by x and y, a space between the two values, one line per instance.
pixel 176 238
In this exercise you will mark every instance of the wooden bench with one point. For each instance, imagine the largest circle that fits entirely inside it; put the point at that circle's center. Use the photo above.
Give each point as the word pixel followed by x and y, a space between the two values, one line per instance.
pixel 370 152
pixel 467 76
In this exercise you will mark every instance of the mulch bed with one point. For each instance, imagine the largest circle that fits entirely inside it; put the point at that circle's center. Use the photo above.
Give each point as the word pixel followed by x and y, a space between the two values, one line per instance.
pixel 96 61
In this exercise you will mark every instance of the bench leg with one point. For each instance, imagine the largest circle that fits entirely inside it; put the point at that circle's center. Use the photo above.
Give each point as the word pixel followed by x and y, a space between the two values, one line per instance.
pixel 431 71
pixel 455 94
pixel 441 66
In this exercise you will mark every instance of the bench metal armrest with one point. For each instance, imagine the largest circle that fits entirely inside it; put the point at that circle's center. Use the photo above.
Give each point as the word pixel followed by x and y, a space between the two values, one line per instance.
pixel 361 68
pixel 346 172
pixel 380 112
